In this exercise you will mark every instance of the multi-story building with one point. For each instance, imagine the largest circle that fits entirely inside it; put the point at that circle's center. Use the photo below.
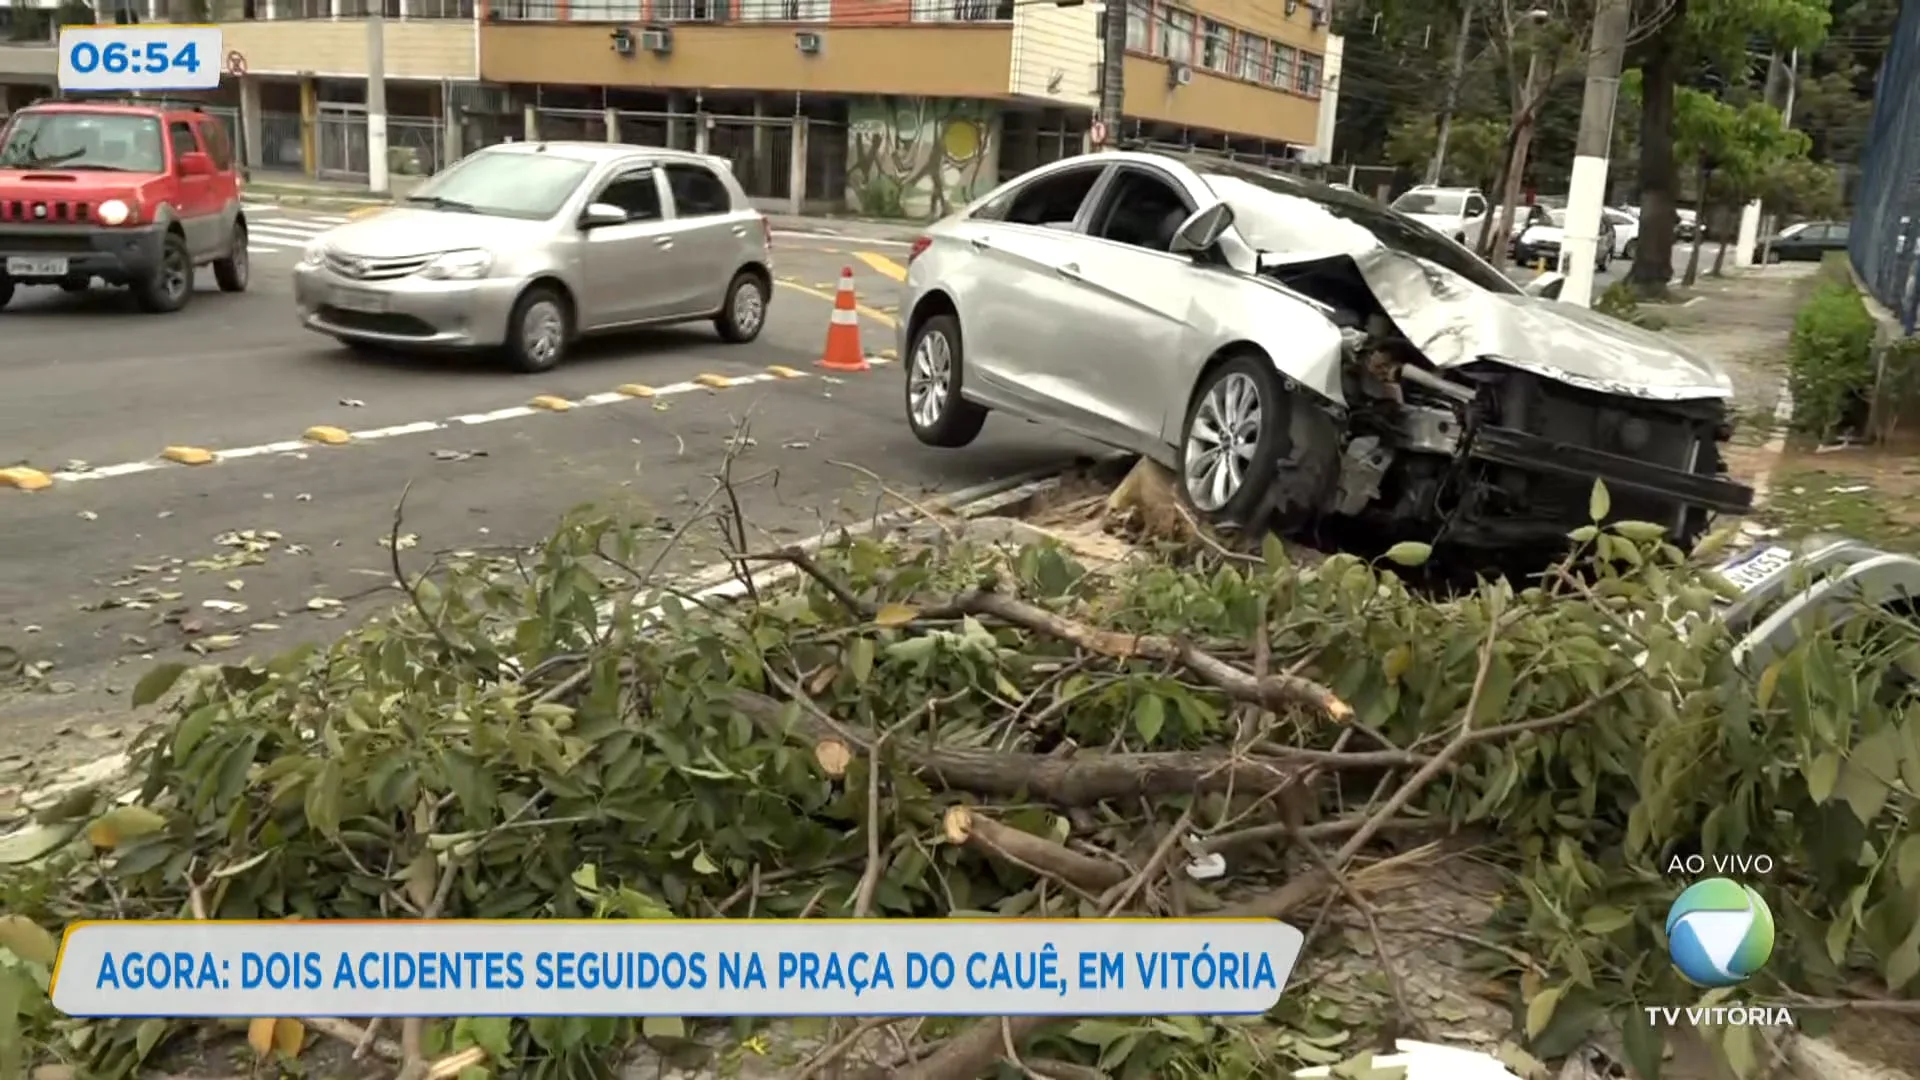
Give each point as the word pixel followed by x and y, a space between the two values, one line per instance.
pixel 885 107
pixel 28 67
pixel 906 107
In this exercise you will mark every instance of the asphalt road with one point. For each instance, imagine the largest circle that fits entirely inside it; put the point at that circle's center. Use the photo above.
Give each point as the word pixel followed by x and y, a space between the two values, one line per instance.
pixel 115 563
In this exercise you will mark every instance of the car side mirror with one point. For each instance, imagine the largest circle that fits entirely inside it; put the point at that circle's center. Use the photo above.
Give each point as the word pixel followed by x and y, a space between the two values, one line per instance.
pixel 1202 229
pixel 1547 286
pixel 598 215
pixel 195 163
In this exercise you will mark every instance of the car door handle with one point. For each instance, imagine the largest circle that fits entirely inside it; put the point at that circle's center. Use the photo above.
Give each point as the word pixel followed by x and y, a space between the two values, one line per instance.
pixel 978 243
pixel 1070 271
pixel 663 241
pixel 739 230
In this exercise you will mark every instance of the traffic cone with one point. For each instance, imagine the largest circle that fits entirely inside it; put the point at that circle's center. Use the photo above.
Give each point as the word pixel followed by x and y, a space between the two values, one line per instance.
pixel 843 333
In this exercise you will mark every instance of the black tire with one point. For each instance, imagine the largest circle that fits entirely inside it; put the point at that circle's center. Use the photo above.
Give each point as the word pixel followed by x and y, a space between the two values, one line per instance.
pixel 936 368
pixel 233 272
pixel 539 330
pixel 170 287
pixel 1628 251
pixel 1271 441
pixel 1773 256
pixel 6 290
pixel 362 348
pixel 744 312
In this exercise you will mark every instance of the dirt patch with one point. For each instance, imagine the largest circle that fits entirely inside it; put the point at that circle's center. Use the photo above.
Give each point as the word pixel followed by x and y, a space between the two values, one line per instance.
pixel 1867 493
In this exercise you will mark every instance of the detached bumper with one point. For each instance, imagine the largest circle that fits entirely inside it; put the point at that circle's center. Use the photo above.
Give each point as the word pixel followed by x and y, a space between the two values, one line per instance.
pixel 47 254
pixel 1538 454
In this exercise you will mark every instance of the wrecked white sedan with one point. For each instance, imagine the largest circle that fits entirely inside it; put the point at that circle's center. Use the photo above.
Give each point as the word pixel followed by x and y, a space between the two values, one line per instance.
pixel 1302 358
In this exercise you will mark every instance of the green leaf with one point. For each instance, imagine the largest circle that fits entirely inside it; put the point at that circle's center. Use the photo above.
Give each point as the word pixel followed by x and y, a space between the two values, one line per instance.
pixel 663 1027
pixel 1903 963
pixel 1864 792
pixel 494 1034
pixel 26 939
pixel 1540 1009
pixel 1907 862
pixel 1640 532
pixel 860 663
pixel 156 682
pixel 1149 716
pixel 1743 1057
pixel 1599 504
pixel 1645 1046
pixel 35 842
pixel 1409 553
pixel 1099 1033
pixel 1605 920
pixel 1821 774
pixel 1272 551
pixel 147 1036
pixel 121 824
pixel 703 865
pixel 895 615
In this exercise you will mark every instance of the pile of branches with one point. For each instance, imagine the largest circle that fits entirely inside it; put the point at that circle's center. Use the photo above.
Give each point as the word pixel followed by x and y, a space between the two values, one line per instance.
pixel 905 729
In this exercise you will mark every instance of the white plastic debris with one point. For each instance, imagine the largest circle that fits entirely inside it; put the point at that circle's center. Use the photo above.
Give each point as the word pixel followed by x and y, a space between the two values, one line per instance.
pixel 1432 1061
pixel 1207 867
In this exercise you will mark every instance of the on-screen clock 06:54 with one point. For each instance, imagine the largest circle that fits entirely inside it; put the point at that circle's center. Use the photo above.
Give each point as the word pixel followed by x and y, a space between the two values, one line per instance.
pixel 139 57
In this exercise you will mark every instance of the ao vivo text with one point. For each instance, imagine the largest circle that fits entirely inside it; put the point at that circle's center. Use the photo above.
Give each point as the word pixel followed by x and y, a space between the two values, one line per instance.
pixel 858 971
pixel 1721 865
pixel 1721 1016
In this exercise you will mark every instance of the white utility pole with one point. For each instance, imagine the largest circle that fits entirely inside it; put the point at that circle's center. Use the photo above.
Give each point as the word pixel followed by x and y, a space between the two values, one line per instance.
pixel 1786 124
pixel 1587 190
pixel 376 97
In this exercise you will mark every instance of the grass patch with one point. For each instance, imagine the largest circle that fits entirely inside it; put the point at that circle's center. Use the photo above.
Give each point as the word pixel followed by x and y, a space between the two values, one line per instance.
pixel 1868 498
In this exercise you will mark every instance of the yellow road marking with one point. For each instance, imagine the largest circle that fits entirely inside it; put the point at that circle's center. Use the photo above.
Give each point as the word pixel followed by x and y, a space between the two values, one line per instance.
pixel 551 403
pixel 785 372
pixel 364 211
pixel 718 382
pixel 634 389
pixel 870 312
pixel 187 455
pixel 881 264
pixel 22 478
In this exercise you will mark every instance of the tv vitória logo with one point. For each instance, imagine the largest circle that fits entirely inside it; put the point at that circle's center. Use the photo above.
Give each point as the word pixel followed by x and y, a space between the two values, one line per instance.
pixel 1719 932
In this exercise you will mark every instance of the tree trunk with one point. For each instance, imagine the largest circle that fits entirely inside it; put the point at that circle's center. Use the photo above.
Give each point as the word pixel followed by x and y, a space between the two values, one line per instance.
pixel 1699 226
pixel 1653 256
pixel 1720 259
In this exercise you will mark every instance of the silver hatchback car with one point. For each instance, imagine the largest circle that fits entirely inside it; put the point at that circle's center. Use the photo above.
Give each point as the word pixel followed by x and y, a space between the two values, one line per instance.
pixel 524 247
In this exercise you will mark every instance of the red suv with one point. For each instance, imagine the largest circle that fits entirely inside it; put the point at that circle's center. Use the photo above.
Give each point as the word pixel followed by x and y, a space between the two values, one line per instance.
pixel 135 195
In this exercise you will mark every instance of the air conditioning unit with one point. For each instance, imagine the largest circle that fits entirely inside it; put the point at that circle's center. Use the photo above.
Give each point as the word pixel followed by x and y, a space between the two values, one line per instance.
pixel 809 42
pixel 1179 75
pixel 622 41
pixel 1319 14
pixel 1292 6
pixel 658 41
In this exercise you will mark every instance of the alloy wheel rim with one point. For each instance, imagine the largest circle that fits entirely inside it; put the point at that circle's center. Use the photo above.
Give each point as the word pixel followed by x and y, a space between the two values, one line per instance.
pixel 930 379
pixel 240 262
pixel 175 278
pixel 1222 440
pixel 747 307
pixel 542 332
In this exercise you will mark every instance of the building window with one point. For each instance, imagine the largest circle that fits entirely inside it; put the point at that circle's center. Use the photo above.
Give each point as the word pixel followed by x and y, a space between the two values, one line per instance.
pixel 441 9
pixel 1176 37
pixel 604 11
pixel 1308 81
pixel 1216 50
pixel 1282 66
pixel 1253 58
pixel 781 10
pixel 1138 16
pixel 686 10
pixel 961 11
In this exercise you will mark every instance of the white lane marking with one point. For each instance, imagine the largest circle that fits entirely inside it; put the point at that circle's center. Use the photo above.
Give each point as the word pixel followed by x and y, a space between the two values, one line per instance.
pixel 840 239
pixel 288 236
pixel 418 427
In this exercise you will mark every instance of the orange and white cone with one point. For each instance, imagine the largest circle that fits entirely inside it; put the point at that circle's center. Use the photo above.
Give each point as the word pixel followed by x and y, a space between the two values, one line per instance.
pixel 844 352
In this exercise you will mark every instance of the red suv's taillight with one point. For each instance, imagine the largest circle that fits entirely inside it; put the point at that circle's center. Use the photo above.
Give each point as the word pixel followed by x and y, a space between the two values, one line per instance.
pixel 920 244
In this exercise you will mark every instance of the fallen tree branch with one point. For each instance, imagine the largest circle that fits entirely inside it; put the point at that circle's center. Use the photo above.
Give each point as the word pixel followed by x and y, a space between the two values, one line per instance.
pixel 964 826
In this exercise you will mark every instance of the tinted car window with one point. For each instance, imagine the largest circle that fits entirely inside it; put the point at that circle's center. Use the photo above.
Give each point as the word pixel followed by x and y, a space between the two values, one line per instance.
pixel 1837 234
pixel 697 192
pixel 1050 200
pixel 181 134
pixel 1280 214
pixel 1430 202
pixel 636 193
pixel 1141 209
pixel 218 148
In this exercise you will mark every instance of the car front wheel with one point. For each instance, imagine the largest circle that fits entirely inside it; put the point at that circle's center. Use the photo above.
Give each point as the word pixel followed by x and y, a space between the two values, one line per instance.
pixel 538 331
pixel 745 311
pixel 937 413
pixel 170 286
pixel 1235 434
pixel 232 272
pixel 6 290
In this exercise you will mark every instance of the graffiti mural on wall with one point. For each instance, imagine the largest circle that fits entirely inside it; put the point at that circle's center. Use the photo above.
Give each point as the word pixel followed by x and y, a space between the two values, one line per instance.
pixel 918 157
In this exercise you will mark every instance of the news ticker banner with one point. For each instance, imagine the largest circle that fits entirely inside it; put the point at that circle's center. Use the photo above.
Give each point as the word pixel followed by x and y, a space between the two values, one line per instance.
pixel 672 967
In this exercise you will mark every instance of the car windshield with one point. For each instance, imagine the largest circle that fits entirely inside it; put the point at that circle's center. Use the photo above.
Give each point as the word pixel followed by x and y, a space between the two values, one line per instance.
pixel 1557 218
pixel 1282 215
pixel 103 141
pixel 517 185
pixel 1794 230
pixel 1430 202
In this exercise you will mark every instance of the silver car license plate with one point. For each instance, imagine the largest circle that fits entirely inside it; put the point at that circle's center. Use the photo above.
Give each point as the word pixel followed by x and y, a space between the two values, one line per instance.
pixel 42 267
pixel 360 300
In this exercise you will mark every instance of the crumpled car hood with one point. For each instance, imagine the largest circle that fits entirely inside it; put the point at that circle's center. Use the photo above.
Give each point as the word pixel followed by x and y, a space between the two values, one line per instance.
pixel 1454 322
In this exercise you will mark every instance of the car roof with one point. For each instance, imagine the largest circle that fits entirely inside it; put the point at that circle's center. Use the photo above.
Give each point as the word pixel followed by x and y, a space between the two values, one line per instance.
pixel 117 107
pixel 587 150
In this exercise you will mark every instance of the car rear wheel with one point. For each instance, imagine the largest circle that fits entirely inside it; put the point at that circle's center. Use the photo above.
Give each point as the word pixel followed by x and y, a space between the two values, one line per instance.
pixel 170 286
pixel 1628 251
pixel 1235 435
pixel 538 330
pixel 937 413
pixel 745 311
pixel 6 290
pixel 231 273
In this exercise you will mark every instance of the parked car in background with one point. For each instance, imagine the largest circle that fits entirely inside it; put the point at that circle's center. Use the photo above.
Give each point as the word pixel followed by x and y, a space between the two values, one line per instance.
pixel 1542 243
pixel 1687 226
pixel 1524 218
pixel 136 196
pixel 1626 231
pixel 1301 357
pixel 1454 212
pixel 1809 241
pixel 523 247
